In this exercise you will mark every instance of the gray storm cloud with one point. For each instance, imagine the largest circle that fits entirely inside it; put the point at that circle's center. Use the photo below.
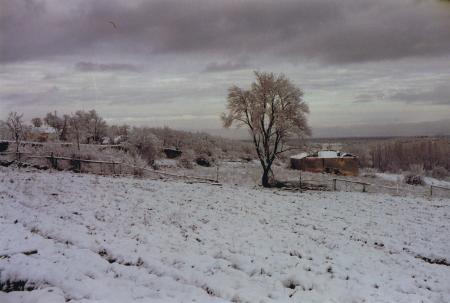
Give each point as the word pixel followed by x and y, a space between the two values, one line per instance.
pixel 437 95
pixel 214 67
pixel 419 94
pixel 359 61
pixel 102 67
pixel 331 31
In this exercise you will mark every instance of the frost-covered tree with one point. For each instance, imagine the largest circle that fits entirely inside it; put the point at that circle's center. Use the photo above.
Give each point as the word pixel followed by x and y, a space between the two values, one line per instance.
pixel 4 131
pixel 273 109
pixel 146 142
pixel 118 133
pixel 37 122
pixel 16 128
pixel 87 127
pixel 60 124
pixel 77 128
pixel 95 126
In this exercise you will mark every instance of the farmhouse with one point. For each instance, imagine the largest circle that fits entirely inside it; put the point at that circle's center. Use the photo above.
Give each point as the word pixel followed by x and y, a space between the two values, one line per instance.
pixel 327 161
pixel 43 134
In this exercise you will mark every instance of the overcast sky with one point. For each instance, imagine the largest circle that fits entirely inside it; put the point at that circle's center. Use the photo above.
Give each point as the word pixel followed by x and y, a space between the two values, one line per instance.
pixel 359 62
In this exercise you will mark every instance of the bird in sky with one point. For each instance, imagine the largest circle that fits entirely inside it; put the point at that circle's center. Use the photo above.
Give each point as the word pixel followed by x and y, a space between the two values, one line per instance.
pixel 113 24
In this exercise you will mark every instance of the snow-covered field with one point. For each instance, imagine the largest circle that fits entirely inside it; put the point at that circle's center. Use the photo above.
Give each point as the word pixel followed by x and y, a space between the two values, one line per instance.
pixel 249 174
pixel 85 238
pixel 398 178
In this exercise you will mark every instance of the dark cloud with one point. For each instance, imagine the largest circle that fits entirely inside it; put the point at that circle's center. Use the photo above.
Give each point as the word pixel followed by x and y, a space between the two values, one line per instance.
pixel 45 96
pixel 332 31
pixel 214 67
pixel 369 97
pixel 99 67
pixel 439 95
pixel 431 128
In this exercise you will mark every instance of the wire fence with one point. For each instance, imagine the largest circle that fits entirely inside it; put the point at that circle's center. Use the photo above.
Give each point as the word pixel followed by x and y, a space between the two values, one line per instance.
pixel 428 190
pixel 78 164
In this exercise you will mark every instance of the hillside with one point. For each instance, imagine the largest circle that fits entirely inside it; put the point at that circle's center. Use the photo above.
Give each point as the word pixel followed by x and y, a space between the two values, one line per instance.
pixel 83 238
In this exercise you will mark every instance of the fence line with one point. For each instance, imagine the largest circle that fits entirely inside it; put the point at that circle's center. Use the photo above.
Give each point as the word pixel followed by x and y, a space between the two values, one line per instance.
pixel 53 161
pixel 58 143
pixel 364 184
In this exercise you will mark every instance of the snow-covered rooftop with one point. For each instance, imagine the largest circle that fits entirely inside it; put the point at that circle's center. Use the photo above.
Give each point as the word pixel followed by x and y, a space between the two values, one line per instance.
pixel 322 154
pixel 328 154
pixel 300 156
pixel 43 130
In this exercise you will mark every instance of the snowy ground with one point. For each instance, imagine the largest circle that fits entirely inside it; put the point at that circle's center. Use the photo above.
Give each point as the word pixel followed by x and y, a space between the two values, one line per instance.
pixel 249 174
pixel 84 238
pixel 398 178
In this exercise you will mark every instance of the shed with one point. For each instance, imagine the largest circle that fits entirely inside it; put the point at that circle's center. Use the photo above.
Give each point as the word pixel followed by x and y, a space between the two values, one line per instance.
pixel 43 134
pixel 327 161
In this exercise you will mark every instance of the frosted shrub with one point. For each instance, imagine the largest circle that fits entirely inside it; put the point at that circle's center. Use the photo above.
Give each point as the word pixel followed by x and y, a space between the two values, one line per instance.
pixel 125 161
pixel 186 159
pixel 417 169
pixel 369 172
pixel 439 172
pixel 414 179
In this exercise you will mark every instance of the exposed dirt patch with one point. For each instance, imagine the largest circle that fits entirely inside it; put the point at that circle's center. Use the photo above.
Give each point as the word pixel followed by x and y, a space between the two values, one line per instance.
pixel 19 285
pixel 438 261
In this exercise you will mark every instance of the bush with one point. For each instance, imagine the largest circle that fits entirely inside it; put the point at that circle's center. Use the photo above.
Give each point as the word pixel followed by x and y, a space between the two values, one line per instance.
pixel 369 172
pixel 186 159
pixel 414 179
pixel 439 172
pixel 417 169
pixel 185 163
pixel 123 159
pixel 146 143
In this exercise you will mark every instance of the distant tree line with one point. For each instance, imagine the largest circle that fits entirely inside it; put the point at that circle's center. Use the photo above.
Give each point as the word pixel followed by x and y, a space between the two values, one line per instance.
pixel 88 127
pixel 432 155
pixel 401 155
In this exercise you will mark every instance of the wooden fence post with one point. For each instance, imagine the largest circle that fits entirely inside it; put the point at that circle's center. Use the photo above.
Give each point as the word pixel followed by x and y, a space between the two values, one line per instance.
pixel 334 184
pixel 217 173
pixel 76 164
pixel 431 190
pixel 364 188
pixel 53 161
pixel 300 179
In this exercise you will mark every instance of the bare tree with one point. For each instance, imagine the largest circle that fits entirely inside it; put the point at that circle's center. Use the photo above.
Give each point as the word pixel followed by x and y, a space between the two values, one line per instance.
pixel 60 124
pixel 37 122
pixel 4 130
pixel 15 126
pixel 77 128
pixel 118 133
pixel 96 126
pixel 273 109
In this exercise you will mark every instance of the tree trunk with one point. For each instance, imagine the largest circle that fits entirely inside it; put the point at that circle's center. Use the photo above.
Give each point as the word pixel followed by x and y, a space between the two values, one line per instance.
pixel 265 178
pixel 78 142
